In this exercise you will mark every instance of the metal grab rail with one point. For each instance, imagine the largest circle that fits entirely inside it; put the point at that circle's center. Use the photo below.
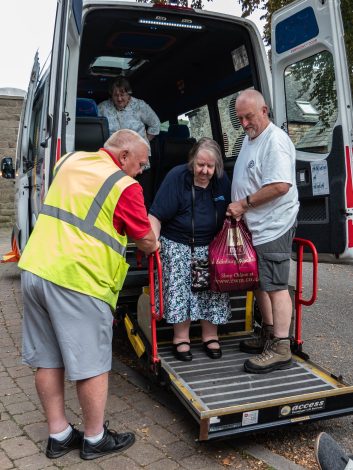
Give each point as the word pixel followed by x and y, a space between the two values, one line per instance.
pixel 154 315
pixel 299 301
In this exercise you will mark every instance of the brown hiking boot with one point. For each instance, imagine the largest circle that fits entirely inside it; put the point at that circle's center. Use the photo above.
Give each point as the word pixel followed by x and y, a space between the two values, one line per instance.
pixel 256 344
pixel 276 355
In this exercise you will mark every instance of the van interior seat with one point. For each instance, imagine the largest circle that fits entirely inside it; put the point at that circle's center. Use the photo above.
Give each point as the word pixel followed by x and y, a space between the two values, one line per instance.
pixel 178 131
pixel 91 130
pixel 86 107
pixel 174 147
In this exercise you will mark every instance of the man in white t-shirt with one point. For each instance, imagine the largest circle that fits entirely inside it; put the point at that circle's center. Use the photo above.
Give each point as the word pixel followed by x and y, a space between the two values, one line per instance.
pixel 264 193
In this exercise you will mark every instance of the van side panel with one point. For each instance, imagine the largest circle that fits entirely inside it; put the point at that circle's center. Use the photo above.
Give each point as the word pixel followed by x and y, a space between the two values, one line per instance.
pixel 312 101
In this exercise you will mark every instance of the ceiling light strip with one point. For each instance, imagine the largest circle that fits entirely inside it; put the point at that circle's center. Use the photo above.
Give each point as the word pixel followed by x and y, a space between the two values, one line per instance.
pixel 171 24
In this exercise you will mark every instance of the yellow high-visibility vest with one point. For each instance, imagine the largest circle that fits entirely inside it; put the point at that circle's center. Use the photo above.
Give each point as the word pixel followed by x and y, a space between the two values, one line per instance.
pixel 74 243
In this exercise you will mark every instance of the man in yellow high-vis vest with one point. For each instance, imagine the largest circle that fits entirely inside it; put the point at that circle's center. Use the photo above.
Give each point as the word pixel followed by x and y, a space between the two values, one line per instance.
pixel 73 269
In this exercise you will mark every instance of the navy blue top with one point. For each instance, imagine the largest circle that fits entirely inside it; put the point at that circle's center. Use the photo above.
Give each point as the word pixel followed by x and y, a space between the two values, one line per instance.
pixel 172 206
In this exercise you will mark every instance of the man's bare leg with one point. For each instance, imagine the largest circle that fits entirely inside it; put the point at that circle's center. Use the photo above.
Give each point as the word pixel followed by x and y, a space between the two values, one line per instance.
pixel 276 310
pixel 265 306
pixel 282 312
pixel 92 394
pixel 50 389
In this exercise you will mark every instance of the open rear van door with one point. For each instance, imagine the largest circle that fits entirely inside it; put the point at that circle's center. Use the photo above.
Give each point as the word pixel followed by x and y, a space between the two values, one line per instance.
pixel 313 102
pixel 64 63
pixel 24 161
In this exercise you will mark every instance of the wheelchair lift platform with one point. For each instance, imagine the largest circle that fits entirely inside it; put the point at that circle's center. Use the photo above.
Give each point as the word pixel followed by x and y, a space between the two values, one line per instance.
pixel 226 401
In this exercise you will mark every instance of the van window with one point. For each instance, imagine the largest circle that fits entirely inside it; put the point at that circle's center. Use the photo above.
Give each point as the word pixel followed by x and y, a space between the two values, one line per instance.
pixel 198 121
pixel 34 135
pixel 35 151
pixel 311 103
pixel 233 134
pixel 164 126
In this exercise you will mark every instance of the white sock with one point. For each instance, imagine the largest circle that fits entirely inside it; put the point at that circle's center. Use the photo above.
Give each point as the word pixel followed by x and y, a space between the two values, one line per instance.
pixel 94 439
pixel 61 436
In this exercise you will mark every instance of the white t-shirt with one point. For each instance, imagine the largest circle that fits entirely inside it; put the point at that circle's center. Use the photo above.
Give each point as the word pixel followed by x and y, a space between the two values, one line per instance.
pixel 269 158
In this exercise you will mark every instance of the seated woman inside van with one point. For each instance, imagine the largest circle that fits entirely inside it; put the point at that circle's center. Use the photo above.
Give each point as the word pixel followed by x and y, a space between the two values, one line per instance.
pixel 123 111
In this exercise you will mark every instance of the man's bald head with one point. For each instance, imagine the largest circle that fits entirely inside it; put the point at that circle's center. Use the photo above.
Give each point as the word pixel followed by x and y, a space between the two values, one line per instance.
pixel 252 112
pixel 124 138
pixel 130 149
pixel 251 96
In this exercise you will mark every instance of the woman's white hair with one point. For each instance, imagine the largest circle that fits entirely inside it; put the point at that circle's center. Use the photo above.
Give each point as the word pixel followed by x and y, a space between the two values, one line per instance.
pixel 211 146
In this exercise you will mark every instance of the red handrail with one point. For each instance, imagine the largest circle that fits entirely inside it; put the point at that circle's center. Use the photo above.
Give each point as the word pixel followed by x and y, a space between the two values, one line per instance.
pixel 154 315
pixel 299 301
pixel 139 257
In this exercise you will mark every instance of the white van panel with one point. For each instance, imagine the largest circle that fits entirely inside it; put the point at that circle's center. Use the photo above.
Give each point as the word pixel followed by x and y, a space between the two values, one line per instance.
pixel 312 101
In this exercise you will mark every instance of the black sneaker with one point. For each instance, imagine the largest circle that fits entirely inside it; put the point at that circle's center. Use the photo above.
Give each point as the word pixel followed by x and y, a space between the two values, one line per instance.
pixel 329 455
pixel 111 442
pixel 56 449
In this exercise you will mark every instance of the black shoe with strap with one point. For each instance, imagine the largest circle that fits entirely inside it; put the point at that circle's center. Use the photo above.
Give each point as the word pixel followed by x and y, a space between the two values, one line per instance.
pixel 110 443
pixel 213 353
pixel 56 448
pixel 182 355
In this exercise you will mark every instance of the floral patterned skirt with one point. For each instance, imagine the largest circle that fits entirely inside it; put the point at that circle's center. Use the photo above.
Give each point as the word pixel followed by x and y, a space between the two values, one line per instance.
pixel 180 303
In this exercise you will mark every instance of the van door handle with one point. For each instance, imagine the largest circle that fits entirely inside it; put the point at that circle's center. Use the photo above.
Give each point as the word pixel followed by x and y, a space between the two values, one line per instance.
pixel 49 129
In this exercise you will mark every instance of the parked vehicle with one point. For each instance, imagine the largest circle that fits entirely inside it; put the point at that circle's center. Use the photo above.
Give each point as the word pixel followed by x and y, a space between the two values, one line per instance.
pixel 190 65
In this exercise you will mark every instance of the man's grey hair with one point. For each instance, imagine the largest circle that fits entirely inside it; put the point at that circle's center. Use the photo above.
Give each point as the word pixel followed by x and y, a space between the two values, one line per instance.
pixel 211 146
pixel 252 95
pixel 124 138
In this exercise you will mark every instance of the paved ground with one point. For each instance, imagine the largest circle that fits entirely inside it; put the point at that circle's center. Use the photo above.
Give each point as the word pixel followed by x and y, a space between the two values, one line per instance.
pixel 165 434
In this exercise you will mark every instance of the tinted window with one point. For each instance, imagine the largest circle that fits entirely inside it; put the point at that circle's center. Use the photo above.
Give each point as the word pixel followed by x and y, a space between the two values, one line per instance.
pixel 296 30
pixel 198 121
pixel 233 134
pixel 311 102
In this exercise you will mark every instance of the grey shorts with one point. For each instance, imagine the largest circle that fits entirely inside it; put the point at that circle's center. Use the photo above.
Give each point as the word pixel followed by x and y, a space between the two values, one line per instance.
pixel 64 328
pixel 274 262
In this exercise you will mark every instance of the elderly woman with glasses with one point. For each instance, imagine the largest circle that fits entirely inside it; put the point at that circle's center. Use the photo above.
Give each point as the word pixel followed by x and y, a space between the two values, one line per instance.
pixel 124 111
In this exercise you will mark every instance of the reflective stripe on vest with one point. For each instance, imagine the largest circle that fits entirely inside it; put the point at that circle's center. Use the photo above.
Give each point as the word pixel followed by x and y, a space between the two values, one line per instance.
pixel 87 225
pixel 61 162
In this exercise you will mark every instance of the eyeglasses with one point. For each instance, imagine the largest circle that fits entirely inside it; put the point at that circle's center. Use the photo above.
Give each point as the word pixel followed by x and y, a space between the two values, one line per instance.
pixel 120 93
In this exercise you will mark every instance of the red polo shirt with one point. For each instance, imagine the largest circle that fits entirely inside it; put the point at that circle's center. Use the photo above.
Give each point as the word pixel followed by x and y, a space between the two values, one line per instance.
pixel 130 215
